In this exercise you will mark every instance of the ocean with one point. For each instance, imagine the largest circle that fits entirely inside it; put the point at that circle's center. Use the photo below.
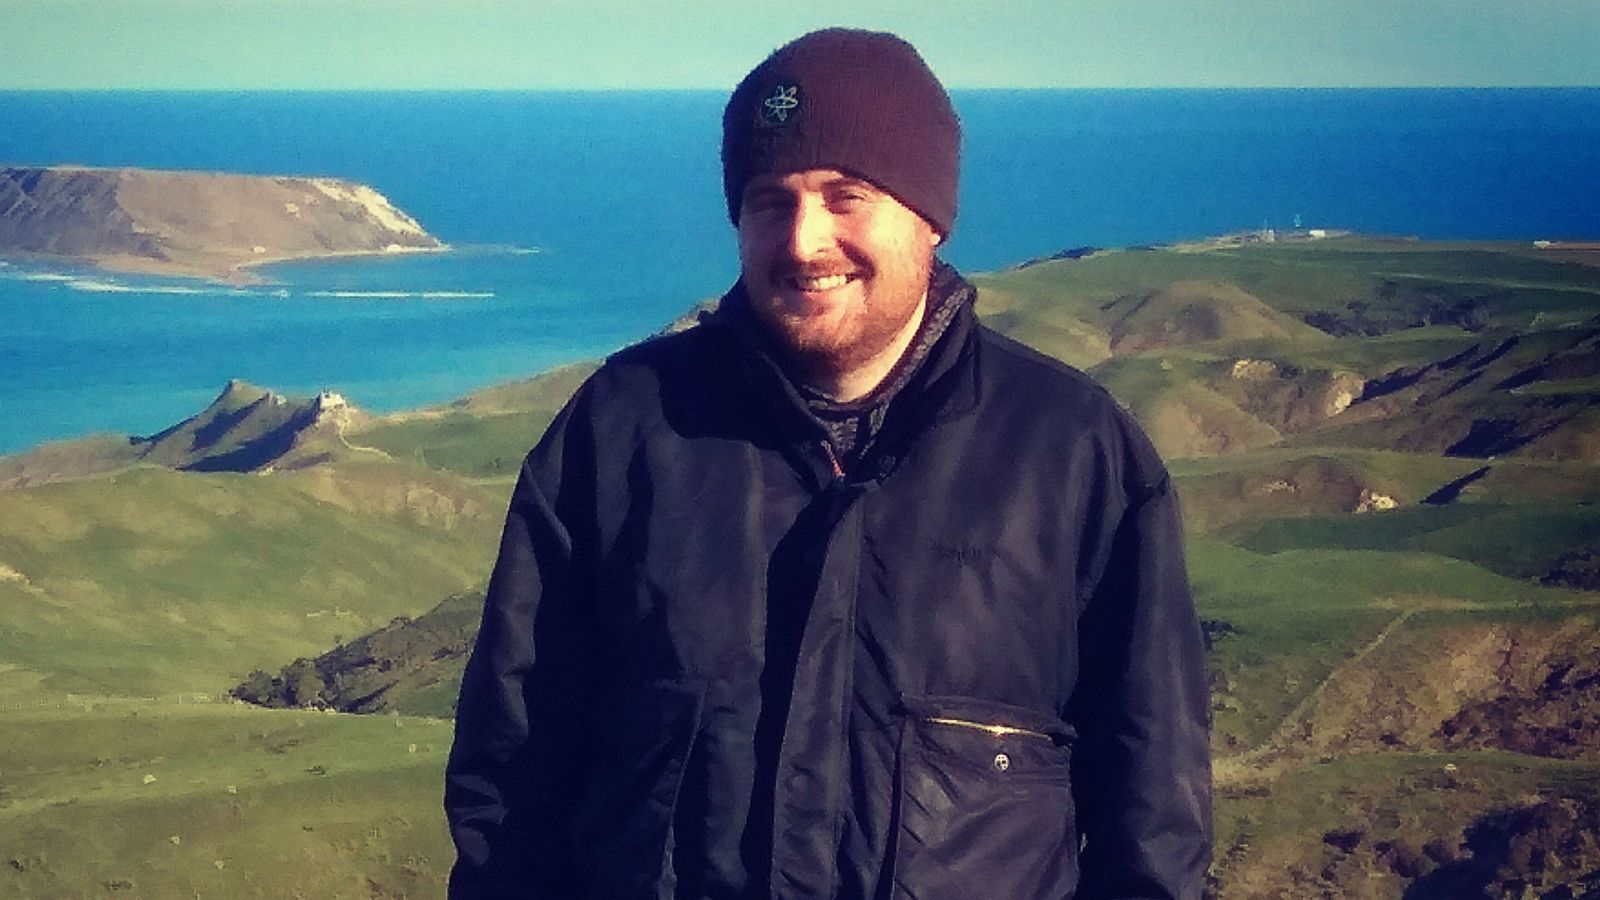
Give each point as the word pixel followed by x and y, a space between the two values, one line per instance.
pixel 584 221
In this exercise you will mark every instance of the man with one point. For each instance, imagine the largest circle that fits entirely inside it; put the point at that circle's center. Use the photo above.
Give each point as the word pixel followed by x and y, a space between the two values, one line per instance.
pixel 837 593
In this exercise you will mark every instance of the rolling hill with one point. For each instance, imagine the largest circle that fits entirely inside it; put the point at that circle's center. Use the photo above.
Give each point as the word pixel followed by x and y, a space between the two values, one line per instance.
pixel 245 429
pixel 1385 451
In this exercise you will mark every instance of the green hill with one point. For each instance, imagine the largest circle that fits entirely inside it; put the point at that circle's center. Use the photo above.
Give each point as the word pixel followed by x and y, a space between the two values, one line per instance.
pixel 1386 453
pixel 1521 540
pixel 154 582
pixel 483 435
pixel 245 429
pixel 1185 313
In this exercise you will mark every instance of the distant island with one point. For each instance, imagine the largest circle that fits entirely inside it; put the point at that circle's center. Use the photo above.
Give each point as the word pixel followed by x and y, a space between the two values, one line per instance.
pixel 204 224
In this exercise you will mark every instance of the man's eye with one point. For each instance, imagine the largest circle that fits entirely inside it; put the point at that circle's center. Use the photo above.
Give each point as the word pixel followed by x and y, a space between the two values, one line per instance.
pixel 848 200
pixel 767 203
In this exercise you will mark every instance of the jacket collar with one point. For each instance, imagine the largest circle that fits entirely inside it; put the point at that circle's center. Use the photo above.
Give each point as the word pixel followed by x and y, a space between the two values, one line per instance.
pixel 944 386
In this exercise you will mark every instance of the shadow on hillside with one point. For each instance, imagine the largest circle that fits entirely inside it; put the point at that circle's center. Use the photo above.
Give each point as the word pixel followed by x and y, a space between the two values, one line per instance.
pixel 250 455
pixel 1547 850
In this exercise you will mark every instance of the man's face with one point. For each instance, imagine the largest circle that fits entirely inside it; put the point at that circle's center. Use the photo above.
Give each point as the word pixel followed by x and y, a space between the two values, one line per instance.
pixel 834 267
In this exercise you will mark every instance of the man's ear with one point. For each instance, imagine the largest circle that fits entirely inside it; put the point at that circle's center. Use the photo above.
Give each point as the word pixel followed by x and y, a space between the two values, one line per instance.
pixel 934 237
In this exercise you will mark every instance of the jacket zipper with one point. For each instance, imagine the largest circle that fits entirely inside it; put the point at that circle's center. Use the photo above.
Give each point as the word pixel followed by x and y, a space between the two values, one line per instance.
pixel 995 730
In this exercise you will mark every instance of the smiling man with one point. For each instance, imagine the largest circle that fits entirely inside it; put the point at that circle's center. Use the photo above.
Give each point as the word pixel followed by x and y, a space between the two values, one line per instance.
pixel 838 594
pixel 837 271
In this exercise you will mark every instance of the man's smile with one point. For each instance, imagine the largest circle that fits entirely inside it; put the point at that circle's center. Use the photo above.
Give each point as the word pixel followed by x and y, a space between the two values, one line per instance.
pixel 817 283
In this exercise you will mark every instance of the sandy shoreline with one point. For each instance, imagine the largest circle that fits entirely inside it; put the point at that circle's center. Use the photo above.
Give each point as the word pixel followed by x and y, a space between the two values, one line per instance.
pixel 231 269
pixel 227 270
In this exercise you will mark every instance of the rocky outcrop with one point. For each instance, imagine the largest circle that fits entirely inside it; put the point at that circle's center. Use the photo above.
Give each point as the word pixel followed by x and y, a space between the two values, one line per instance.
pixel 1551 710
pixel 245 429
pixel 1288 397
pixel 1540 847
pixel 248 429
pixel 194 223
pixel 410 666
pixel 1372 501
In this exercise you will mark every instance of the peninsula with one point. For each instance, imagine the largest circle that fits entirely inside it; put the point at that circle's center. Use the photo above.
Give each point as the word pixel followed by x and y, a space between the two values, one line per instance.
pixel 205 224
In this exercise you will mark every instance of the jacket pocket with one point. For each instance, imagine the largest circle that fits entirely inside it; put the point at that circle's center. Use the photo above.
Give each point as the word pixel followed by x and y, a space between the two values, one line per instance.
pixel 984 803
pixel 622 827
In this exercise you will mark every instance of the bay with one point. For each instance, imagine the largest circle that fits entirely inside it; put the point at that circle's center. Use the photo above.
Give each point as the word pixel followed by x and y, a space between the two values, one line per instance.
pixel 583 221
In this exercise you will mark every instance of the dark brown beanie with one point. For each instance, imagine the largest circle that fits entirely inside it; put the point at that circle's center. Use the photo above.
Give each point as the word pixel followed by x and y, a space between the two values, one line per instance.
pixel 861 102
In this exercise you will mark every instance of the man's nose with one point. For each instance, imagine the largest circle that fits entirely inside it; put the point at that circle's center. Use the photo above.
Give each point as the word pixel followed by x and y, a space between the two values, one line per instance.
pixel 811 231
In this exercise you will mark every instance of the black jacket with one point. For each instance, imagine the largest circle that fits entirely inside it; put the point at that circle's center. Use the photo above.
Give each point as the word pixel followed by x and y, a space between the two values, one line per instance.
pixel 711 667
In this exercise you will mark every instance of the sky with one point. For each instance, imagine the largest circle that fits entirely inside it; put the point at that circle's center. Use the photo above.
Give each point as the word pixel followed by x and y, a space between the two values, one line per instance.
pixel 617 44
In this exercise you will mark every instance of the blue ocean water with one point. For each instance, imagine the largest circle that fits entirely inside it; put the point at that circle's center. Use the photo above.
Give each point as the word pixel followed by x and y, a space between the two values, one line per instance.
pixel 584 221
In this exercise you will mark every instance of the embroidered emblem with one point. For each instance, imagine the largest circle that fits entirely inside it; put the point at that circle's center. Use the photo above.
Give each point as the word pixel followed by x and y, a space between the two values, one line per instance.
pixel 783 103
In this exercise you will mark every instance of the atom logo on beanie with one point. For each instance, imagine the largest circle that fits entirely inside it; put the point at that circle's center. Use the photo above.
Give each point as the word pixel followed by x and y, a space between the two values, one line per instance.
pixel 783 102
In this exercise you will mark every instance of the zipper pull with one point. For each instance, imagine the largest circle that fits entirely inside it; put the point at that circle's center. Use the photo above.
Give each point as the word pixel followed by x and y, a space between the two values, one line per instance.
pixel 833 460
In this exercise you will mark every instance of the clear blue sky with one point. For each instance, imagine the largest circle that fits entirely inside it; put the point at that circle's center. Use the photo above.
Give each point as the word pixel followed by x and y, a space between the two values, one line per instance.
pixel 564 44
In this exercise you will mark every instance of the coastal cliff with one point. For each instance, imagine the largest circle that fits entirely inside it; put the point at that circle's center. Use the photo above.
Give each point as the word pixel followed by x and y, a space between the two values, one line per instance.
pixel 194 223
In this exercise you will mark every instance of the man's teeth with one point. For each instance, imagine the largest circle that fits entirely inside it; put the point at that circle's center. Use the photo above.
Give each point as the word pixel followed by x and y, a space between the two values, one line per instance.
pixel 825 283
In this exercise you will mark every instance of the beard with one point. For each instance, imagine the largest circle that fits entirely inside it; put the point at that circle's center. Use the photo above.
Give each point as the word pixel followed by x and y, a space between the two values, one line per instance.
pixel 841 334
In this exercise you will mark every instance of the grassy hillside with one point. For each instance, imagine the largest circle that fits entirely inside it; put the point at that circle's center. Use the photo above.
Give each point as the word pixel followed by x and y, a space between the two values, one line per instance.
pixel 1423 826
pixel 1518 540
pixel 412 666
pixel 245 429
pixel 1388 455
pixel 1473 350
pixel 138 799
pixel 483 435
pixel 155 582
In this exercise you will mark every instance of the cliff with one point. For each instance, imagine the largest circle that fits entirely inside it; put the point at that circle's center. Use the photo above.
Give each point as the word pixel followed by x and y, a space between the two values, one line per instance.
pixel 194 223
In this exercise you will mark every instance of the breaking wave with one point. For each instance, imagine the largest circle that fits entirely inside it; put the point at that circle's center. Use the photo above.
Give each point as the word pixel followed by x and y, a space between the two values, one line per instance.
pixel 101 286
pixel 403 295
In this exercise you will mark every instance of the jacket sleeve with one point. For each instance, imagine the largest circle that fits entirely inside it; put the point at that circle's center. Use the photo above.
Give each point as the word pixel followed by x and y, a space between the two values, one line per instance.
pixel 510 772
pixel 1142 766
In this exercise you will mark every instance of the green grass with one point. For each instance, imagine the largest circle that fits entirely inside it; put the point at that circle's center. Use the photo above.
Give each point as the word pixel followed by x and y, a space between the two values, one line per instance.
pixel 1273 274
pixel 1520 541
pixel 1521 481
pixel 1273 661
pixel 1242 491
pixel 1512 290
pixel 1228 578
pixel 485 435
pixel 1051 328
pixel 1269 835
pixel 1379 355
pixel 1415 474
pixel 1344 628
pixel 1298 616
pixel 1561 387
pixel 475 446
pixel 154 582
pixel 149 800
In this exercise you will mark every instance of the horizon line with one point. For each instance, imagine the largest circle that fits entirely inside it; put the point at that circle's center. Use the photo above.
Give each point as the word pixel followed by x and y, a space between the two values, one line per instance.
pixel 955 89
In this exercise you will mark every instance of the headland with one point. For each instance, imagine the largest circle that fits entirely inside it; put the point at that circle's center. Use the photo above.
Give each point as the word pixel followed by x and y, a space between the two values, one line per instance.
pixel 200 224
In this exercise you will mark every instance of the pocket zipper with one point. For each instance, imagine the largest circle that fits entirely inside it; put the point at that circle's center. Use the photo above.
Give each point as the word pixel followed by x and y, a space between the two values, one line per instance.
pixel 994 730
